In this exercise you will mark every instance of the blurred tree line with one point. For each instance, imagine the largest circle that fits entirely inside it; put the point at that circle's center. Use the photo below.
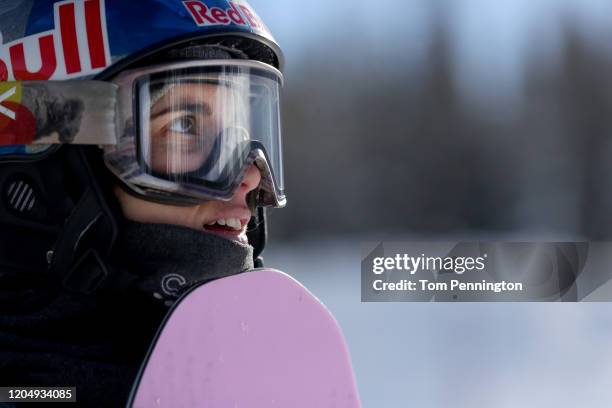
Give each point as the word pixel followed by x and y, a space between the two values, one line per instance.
pixel 388 152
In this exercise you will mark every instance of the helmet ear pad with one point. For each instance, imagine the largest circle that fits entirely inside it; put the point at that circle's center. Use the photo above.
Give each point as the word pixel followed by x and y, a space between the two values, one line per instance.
pixel 38 197
pixel 33 207
pixel 50 191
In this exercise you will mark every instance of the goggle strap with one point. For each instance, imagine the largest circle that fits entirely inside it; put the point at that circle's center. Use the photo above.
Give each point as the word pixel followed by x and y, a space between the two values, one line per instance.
pixel 58 112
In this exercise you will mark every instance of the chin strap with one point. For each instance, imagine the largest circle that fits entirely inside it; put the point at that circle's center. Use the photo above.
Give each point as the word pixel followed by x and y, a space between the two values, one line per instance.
pixel 258 236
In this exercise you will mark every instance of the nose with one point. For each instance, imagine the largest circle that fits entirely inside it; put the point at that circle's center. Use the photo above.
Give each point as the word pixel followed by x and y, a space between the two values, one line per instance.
pixel 250 182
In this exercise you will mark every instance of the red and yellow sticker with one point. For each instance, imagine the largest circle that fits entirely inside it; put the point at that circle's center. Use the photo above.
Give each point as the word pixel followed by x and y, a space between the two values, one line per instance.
pixel 17 123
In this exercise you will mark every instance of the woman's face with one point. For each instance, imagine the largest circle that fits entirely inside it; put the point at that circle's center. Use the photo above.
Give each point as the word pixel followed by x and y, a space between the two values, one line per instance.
pixel 184 124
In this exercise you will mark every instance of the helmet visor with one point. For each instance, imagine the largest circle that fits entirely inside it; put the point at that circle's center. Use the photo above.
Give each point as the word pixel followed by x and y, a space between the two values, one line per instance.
pixel 202 127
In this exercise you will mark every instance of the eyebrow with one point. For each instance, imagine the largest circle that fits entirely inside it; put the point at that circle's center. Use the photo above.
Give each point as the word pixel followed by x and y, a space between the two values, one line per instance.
pixel 203 107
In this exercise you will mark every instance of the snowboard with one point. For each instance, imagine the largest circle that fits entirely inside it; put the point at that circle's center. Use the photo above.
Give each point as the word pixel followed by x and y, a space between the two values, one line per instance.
pixel 254 340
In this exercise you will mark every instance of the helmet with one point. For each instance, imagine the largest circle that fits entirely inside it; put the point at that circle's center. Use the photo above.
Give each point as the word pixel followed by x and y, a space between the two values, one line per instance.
pixel 77 75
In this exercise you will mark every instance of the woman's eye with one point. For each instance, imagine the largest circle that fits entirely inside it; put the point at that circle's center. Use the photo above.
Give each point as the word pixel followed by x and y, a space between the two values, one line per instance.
pixel 186 124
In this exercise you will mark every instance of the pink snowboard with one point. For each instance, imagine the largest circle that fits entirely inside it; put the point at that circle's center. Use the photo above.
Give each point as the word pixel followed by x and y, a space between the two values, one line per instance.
pixel 255 340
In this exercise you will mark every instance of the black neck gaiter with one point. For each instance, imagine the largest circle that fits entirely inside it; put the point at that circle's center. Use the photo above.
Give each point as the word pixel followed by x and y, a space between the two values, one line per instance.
pixel 52 337
pixel 168 260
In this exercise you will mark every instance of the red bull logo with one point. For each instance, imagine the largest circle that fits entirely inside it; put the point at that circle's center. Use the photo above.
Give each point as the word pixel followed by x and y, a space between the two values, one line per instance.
pixel 76 46
pixel 237 13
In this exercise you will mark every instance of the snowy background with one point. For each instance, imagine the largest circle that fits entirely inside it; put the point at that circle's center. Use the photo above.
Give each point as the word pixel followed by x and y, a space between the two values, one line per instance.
pixel 449 119
pixel 436 355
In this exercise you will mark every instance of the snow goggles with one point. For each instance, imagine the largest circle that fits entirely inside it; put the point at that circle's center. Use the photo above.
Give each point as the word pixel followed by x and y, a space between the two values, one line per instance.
pixel 182 132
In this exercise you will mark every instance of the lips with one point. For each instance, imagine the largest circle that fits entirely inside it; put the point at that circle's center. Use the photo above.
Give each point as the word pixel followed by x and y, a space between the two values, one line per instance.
pixel 238 236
